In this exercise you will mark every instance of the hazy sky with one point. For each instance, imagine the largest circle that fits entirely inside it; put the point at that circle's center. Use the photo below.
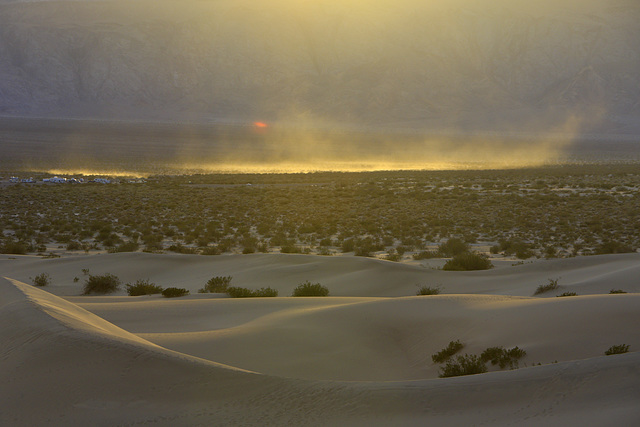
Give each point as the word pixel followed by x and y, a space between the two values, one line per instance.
pixel 498 70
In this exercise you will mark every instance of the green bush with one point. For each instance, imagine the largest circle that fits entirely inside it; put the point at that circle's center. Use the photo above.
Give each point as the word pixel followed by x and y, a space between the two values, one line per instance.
pixel 174 292
pixel 125 247
pixel 210 250
pixel 617 291
pixel 217 284
pixel 468 261
pixel 428 290
pixel 266 292
pixel 426 255
pixel 617 349
pixel 469 364
pixel 444 354
pixel 237 292
pixel 567 294
pixel 143 287
pixel 553 284
pixel 503 358
pixel 74 245
pixel 14 248
pixel 42 279
pixel 308 289
pixel 101 284
pixel 453 247
pixel 612 247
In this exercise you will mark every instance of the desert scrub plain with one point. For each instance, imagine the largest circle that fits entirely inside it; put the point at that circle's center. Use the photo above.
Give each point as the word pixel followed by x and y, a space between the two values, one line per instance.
pixel 556 211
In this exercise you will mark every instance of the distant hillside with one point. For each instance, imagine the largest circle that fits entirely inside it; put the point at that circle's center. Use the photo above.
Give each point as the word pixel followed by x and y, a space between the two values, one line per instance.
pixel 541 66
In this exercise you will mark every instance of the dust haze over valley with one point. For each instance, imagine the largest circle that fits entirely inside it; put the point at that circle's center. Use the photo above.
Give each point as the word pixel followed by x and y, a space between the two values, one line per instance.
pixel 473 212
pixel 343 85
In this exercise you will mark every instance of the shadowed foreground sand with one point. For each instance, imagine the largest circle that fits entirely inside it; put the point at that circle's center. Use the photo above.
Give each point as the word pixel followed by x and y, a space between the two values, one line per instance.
pixel 346 360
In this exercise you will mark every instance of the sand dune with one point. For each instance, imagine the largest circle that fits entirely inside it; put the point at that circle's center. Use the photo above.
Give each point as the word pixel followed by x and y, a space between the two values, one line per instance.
pixel 384 339
pixel 358 359
pixel 344 276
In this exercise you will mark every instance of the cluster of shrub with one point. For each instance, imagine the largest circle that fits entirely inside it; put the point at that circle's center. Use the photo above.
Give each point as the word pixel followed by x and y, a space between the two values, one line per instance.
pixel 102 284
pixel 567 210
pixel 470 364
pixel 220 284
pixel 462 258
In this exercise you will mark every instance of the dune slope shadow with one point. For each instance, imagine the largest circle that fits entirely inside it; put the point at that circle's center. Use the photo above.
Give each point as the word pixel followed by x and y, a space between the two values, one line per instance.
pixel 64 366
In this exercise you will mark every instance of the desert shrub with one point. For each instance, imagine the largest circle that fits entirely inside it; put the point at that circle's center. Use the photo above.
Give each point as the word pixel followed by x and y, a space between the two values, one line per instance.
pixel 453 247
pixel 469 364
pixel 617 349
pixel 210 250
pixel 249 250
pixel 143 287
pixel 323 250
pixel 308 289
pixel 101 284
pixel 266 292
pixel 468 261
pixel 348 245
pixel 238 292
pixel 503 358
pixel 444 354
pixel 429 290
pixel 426 255
pixel 567 294
pixel 181 249
pixel 42 279
pixel 612 247
pixel 393 255
pixel 14 248
pixel 553 284
pixel 617 291
pixel 74 245
pixel 125 247
pixel 174 292
pixel 290 249
pixel 217 284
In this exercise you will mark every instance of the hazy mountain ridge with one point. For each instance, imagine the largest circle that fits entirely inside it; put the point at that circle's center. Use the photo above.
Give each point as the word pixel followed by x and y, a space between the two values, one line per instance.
pixel 381 63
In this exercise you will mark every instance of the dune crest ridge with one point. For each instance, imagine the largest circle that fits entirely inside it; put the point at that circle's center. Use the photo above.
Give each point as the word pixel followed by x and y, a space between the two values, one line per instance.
pixel 61 365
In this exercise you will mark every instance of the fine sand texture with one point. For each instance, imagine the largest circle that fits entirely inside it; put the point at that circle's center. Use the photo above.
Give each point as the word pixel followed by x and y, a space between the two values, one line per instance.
pixel 359 357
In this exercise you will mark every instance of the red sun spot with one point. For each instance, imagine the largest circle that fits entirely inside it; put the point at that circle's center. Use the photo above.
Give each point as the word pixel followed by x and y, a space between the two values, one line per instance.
pixel 260 124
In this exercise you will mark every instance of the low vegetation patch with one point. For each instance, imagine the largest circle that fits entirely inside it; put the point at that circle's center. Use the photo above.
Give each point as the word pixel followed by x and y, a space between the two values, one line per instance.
pixel 429 290
pixel 42 279
pixel 553 284
pixel 426 255
pixel 468 261
pixel 217 284
pixel 502 357
pixel 468 364
pixel 238 292
pixel 143 287
pixel 617 349
pixel 308 289
pixel 453 247
pixel 101 284
pixel 446 353
pixel 174 292
pixel 617 291
pixel 567 294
